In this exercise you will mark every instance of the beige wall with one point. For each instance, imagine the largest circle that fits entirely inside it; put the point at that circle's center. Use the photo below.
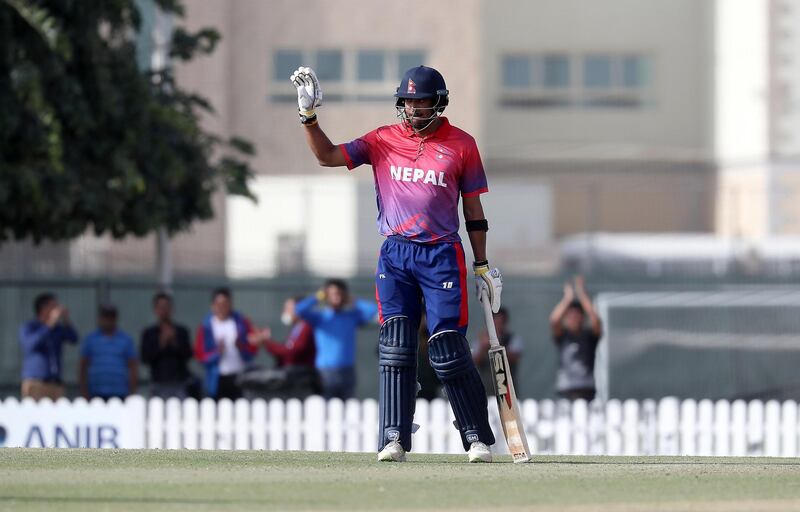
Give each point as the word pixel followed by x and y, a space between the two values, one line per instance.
pixel 552 172
pixel 675 34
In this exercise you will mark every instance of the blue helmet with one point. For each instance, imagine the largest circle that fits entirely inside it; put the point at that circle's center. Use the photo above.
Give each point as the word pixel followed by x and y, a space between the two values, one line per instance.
pixel 422 82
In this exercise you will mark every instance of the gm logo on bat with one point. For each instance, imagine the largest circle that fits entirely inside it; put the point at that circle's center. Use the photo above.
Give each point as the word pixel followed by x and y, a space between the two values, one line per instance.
pixel 500 378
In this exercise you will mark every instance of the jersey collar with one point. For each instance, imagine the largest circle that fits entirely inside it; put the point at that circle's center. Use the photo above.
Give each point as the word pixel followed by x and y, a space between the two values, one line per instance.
pixel 440 133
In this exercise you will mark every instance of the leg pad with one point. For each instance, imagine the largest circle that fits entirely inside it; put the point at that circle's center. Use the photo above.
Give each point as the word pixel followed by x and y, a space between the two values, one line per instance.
pixel 397 361
pixel 451 358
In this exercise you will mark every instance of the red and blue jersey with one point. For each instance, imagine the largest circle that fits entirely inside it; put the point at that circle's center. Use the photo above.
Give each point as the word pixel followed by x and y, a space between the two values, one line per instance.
pixel 418 180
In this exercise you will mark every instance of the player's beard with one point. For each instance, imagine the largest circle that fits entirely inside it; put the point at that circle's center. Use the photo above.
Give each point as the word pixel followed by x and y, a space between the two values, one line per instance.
pixel 418 122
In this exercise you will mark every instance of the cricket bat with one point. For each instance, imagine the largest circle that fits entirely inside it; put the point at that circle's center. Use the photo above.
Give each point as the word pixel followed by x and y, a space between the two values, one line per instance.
pixel 507 405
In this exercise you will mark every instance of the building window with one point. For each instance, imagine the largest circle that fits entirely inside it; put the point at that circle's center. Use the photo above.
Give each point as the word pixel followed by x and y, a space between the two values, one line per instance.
pixel 408 59
pixel 371 65
pixel 516 71
pixel 328 65
pixel 285 62
pixel 597 72
pixel 562 80
pixel 556 71
pixel 366 75
pixel 634 71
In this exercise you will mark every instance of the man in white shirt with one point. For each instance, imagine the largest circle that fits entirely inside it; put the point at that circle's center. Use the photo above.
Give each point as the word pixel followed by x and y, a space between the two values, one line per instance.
pixel 223 346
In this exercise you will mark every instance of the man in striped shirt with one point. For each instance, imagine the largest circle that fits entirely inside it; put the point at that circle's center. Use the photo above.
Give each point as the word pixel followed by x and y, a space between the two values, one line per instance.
pixel 109 365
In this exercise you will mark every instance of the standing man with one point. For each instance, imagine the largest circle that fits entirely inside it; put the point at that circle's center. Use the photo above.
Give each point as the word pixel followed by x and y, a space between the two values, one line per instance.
pixel 41 340
pixel 577 344
pixel 299 349
pixel 336 319
pixel 109 367
pixel 421 166
pixel 223 345
pixel 167 350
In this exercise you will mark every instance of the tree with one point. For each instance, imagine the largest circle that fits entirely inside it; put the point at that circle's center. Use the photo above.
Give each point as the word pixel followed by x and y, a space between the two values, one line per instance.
pixel 90 141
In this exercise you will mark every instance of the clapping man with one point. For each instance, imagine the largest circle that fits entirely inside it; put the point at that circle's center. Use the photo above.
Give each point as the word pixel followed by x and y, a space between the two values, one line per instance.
pixel 166 349
pixel 223 345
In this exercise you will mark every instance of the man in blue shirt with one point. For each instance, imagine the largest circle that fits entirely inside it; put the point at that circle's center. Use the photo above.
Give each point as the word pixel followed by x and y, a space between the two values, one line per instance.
pixel 108 359
pixel 335 325
pixel 41 340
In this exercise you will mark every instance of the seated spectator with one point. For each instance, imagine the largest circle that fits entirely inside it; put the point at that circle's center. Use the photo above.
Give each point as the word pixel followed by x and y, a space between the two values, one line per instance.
pixel 166 350
pixel 335 323
pixel 41 340
pixel 108 365
pixel 512 342
pixel 223 345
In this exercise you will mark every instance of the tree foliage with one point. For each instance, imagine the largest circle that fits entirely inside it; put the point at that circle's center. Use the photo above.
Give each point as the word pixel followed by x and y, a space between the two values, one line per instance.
pixel 88 140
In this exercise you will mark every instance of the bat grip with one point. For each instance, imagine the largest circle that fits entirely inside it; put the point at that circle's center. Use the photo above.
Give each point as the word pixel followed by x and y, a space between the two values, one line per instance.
pixel 489 319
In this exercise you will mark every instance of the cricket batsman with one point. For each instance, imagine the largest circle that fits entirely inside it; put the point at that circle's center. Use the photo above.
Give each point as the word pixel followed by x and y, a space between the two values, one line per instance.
pixel 421 166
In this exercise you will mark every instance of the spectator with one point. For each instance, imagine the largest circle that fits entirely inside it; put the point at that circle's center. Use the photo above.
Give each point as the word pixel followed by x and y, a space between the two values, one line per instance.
pixel 335 324
pixel 108 365
pixel 41 340
pixel 510 340
pixel 576 343
pixel 167 350
pixel 295 375
pixel 223 345
pixel 299 348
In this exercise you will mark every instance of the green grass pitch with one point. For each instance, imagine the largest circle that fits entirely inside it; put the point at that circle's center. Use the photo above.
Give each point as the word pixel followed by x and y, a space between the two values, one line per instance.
pixel 114 480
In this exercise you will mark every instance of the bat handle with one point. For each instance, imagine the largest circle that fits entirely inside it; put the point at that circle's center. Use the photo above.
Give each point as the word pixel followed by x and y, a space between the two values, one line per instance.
pixel 489 318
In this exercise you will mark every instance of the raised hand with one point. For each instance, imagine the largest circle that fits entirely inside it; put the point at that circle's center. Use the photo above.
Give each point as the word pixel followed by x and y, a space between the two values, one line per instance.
pixel 166 334
pixel 54 316
pixel 580 285
pixel 569 293
pixel 309 92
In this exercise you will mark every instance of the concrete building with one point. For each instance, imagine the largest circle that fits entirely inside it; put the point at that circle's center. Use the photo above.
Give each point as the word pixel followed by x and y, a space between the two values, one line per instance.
pixel 583 126
pixel 621 116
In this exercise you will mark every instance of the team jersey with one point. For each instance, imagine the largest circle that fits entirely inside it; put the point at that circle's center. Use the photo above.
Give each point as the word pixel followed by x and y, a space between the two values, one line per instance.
pixel 418 180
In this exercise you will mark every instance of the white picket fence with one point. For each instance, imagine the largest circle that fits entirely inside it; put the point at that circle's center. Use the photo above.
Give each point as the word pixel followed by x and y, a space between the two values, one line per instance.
pixel 666 427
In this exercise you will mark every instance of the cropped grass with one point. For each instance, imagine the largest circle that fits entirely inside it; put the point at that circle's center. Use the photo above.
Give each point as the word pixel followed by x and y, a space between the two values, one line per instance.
pixel 121 480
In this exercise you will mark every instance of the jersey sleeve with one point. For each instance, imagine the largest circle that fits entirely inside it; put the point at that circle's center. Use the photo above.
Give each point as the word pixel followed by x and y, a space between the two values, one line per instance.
pixel 473 177
pixel 360 150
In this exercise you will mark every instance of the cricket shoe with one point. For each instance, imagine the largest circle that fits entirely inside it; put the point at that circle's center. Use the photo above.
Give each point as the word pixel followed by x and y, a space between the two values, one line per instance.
pixel 392 452
pixel 479 452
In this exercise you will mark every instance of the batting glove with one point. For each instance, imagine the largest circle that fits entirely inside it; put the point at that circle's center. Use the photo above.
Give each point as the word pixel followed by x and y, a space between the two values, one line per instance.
pixel 309 93
pixel 490 281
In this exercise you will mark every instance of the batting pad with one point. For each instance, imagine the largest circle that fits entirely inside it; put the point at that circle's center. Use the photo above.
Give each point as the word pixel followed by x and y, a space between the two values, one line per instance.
pixel 452 360
pixel 397 362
